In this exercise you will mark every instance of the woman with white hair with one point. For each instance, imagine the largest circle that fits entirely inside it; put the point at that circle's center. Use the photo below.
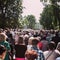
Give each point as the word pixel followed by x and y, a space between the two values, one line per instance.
pixel 6 44
pixel 30 43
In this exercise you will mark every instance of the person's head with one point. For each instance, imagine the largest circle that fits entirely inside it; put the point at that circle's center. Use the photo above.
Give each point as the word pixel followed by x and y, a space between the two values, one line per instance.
pixel 35 41
pixel 30 40
pixel 2 52
pixel 51 45
pixel 10 35
pixel 2 37
pixel 20 40
pixel 58 46
pixel 31 54
pixel 44 37
pixel 26 38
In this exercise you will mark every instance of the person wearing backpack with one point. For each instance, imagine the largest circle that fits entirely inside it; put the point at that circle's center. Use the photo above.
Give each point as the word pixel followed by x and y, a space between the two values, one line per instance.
pixel 39 52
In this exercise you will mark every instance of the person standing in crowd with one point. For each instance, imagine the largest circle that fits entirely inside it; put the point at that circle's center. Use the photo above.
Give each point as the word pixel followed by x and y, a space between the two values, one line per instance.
pixel 30 43
pixel 6 44
pixel 39 52
pixel 44 43
pixel 26 38
pixel 56 38
pixel 11 40
pixel 40 45
pixel 20 49
pixel 2 52
pixel 12 44
pixel 51 54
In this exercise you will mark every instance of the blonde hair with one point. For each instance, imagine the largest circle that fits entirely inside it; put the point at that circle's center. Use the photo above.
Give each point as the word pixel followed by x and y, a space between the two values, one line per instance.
pixel 30 40
pixel 2 37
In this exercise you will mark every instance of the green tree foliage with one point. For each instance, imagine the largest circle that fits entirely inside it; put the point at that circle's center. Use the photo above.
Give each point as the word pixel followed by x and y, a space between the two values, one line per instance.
pixel 31 20
pixel 47 18
pixel 10 11
pixel 24 22
pixel 51 14
pixel 50 1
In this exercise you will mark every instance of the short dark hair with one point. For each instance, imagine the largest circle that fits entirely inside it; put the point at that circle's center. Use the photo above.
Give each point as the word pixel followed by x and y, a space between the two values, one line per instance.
pixel 20 40
pixel 35 41
pixel 51 45
pixel 2 49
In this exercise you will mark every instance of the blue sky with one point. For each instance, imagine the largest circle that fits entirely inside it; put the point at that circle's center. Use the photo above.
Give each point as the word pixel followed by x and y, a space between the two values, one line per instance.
pixel 34 7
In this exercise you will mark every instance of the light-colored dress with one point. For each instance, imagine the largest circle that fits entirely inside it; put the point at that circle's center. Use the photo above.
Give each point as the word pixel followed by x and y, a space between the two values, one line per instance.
pixel 51 55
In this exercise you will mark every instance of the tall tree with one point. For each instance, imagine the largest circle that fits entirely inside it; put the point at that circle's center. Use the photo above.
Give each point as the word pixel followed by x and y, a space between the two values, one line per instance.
pixel 10 11
pixel 31 20
pixel 55 11
pixel 46 18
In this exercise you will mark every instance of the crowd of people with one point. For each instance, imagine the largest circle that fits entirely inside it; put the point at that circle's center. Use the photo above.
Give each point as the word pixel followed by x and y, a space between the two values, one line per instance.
pixel 16 44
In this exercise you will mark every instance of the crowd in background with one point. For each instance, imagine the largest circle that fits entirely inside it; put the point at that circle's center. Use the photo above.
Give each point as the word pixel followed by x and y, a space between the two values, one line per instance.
pixel 30 45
